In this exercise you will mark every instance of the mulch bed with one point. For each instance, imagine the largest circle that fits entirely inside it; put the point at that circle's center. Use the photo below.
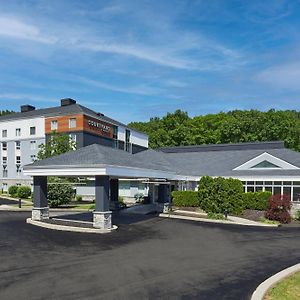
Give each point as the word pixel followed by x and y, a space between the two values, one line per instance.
pixel 68 223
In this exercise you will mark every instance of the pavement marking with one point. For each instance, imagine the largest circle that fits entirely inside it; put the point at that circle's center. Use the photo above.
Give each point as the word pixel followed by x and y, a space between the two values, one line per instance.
pixel 262 289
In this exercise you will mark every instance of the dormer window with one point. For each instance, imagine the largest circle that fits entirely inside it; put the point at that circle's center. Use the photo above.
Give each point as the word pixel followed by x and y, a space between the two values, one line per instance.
pixel 265 165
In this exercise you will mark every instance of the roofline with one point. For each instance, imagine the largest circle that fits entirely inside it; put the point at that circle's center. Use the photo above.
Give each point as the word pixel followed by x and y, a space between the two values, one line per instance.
pixel 19 116
pixel 225 147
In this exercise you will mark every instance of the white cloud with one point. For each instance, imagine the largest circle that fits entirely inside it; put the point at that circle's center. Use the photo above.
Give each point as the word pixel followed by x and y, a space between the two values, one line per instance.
pixel 14 28
pixel 285 76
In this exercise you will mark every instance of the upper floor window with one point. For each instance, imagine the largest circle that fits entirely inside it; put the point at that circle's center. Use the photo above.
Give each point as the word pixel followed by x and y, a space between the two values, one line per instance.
pixel 32 145
pixel 127 136
pixel 18 160
pixel 72 123
pixel 18 145
pixel 115 132
pixel 4 133
pixel 18 131
pixel 54 125
pixel 32 130
pixel 4 160
pixel 4 146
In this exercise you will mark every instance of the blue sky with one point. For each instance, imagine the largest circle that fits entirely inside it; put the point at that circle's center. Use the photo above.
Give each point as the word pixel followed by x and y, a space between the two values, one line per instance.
pixel 135 59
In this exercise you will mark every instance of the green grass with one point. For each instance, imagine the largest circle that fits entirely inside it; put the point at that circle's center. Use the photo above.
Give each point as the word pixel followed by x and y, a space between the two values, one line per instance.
pixel 287 289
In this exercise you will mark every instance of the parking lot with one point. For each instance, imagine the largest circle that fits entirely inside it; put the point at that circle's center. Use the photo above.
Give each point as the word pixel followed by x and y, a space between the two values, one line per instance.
pixel 152 258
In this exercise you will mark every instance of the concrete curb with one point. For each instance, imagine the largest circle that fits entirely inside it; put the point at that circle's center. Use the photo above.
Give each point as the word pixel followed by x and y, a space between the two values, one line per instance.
pixel 262 289
pixel 16 209
pixel 69 228
pixel 163 215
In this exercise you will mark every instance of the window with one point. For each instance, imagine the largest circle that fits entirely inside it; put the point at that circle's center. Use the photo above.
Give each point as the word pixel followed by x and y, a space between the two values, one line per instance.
pixel 32 157
pixel 54 125
pixel 296 194
pixel 32 130
pixel 72 123
pixel 127 141
pixel 4 133
pixel 18 145
pixel 115 137
pixel 5 173
pixel 18 131
pixel 264 164
pixel 32 145
pixel 72 137
pixel 18 170
pixel 4 160
pixel 4 146
pixel 18 160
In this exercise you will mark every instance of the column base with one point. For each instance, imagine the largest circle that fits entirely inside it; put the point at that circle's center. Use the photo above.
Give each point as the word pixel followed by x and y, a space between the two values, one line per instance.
pixel 40 213
pixel 102 219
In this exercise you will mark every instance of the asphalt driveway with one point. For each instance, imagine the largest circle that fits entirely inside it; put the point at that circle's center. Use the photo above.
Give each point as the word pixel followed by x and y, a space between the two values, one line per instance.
pixel 155 258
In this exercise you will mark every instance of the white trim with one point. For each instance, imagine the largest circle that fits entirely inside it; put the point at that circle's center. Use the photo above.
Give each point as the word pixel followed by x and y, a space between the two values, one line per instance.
pixel 105 170
pixel 268 157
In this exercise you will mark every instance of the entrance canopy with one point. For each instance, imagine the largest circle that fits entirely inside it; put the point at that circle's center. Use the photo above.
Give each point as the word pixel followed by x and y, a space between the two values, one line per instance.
pixel 100 160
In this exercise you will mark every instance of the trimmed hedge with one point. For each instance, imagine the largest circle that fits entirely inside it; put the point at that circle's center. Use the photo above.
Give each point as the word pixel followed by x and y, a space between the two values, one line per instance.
pixel 24 192
pixel 12 190
pixel 256 200
pixel 185 198
pixel 59 194
pixel 219 194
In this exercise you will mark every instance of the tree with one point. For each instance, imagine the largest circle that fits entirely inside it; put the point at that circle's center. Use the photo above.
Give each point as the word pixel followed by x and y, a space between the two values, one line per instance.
pixel 176 129
pixel 56 145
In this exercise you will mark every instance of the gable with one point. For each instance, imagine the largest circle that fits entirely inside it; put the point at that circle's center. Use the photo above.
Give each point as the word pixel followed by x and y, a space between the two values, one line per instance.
pixel 266 161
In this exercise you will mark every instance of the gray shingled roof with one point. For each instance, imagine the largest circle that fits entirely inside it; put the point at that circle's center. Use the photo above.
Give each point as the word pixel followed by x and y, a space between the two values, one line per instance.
pixel 98 156
pixel 213 163
pixel 61 111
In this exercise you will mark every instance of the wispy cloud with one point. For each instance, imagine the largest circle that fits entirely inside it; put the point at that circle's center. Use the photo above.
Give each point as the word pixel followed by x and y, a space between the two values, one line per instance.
pixel 284 76
pixel 13 27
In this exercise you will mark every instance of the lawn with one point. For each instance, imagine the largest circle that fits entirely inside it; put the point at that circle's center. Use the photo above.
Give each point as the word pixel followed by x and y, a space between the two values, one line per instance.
pixel 287 289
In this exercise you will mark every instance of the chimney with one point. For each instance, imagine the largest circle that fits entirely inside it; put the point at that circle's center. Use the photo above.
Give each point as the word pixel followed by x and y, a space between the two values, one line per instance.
pixel 67 101
pixel 26 108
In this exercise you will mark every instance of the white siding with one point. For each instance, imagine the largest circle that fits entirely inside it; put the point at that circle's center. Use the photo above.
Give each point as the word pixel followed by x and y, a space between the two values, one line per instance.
pixel 24 124
pixel 139 138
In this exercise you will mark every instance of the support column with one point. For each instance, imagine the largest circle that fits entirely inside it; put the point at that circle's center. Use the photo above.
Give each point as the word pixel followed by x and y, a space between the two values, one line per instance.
pixel 102 214
pixel 114 194
pixel 164 197
pixel 40 210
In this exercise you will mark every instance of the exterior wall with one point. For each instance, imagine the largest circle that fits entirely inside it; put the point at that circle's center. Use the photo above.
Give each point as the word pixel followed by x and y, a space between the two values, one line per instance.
pixel 25 151
pixel 139 138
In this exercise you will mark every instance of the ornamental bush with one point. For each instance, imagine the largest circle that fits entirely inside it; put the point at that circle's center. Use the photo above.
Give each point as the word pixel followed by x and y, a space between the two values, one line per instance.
pixel 219 194
pixel 24 191
pixel 185 198
pixel 278 208
pixel 59 194
pixel 12 190
pixel 256 200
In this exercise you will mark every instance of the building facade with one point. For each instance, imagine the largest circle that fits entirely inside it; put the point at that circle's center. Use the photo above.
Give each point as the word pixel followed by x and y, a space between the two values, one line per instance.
pixel 22 133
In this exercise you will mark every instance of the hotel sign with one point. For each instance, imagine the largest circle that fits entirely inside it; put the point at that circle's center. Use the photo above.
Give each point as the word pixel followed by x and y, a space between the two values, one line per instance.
pixel 99 126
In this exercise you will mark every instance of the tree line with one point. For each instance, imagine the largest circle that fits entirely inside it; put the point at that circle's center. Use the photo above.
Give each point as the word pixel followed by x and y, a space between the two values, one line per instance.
pixel 177 128
pixel 6 112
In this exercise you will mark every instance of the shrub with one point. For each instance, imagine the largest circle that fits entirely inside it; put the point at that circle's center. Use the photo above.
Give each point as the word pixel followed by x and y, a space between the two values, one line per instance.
pixel 219 194
pixel 278 208
pixel 256 200
pixel 12 190
pixel 78 198
pixel 24 192
pixel 139 197
pixel 121 199
pixel 297 215
pixel 59 194
pixel 215 216
pixel 185 198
